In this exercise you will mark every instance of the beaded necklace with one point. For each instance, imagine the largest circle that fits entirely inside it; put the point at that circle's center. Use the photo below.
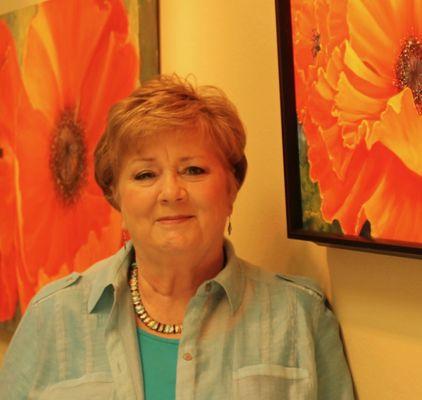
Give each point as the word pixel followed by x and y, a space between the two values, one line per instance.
pixel 142 313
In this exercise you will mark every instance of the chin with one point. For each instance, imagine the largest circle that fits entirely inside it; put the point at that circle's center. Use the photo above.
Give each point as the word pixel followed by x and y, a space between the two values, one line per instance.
pixel 179 244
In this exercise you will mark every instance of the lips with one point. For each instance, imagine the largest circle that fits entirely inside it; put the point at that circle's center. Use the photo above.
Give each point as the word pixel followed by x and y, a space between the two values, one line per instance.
pixel 174 219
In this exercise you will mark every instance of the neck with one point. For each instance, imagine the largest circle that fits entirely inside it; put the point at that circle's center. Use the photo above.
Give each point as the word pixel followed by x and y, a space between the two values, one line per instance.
pixel 167 283
pixel 177 275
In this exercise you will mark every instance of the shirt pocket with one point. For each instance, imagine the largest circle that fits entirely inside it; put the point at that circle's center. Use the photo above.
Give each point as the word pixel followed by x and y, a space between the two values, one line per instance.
pixel 271 381
pixel 96 386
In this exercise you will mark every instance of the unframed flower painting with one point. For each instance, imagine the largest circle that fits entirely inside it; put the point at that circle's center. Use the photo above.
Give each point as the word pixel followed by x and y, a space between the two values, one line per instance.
pixel 63 63
pixel 358 80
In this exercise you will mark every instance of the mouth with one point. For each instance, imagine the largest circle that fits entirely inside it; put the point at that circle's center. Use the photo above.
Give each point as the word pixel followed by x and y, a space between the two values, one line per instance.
pixel 174 219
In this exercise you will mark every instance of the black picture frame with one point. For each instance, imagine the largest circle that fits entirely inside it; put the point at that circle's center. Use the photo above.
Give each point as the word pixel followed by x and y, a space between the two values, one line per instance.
pixel 292 177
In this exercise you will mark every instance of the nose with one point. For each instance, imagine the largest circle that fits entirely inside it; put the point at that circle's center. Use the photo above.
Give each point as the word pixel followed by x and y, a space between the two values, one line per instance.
pixel 172 189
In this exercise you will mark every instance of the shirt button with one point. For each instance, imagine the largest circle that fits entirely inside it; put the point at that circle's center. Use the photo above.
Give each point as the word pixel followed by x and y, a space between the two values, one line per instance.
pixel 187 356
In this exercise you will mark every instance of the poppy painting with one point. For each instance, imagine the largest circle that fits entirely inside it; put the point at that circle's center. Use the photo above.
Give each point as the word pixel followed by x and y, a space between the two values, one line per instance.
pixel 351 95
pixel 63 63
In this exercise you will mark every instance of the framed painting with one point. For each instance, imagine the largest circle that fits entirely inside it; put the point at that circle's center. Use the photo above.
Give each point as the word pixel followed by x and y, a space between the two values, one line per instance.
pixel 351 100
pixel 63 64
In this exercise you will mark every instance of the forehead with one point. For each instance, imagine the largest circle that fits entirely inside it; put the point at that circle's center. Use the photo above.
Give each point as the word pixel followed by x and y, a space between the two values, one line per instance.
pixel 183 144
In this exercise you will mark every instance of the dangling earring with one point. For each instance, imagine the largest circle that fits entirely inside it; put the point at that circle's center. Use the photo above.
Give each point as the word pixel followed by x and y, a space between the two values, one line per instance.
pixel 229 227
pixel 125 237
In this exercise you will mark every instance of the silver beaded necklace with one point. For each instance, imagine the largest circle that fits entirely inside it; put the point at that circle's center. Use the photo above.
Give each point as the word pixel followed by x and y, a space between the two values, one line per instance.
pixel 142 313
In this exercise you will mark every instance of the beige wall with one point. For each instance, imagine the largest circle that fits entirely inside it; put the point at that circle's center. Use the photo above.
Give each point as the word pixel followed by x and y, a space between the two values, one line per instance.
pixel 232 44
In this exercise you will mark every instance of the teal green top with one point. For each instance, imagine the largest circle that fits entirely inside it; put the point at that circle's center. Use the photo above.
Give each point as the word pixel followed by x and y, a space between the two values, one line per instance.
pixel 159 362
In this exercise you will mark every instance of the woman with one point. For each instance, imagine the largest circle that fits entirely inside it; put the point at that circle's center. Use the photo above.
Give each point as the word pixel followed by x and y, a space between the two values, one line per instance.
pixel 175 313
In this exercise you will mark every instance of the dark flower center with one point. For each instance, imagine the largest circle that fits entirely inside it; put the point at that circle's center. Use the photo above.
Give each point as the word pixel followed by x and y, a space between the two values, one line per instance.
pixel 316 43
pixel 68 157
pixel 409 69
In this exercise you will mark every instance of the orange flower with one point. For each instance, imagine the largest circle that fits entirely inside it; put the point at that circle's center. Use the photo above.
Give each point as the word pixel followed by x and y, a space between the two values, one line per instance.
pixel 10 85
pixel 78 61
pixel 358 131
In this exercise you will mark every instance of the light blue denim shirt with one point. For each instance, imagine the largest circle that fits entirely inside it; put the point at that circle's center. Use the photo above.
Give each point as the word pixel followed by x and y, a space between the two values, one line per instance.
pixel 248 334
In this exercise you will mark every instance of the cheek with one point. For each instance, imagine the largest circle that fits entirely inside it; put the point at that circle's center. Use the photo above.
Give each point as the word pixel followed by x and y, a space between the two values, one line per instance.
pixel 218 199
pixel 132 215
pixel 133 204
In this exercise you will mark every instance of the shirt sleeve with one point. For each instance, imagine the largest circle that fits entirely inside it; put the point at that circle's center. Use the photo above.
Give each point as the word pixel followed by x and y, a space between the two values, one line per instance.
pixel 20 362
pixel 334 380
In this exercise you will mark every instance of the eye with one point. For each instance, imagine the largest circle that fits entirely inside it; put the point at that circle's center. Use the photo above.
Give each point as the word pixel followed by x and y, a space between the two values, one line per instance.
pixel 193 170
pixel 144 175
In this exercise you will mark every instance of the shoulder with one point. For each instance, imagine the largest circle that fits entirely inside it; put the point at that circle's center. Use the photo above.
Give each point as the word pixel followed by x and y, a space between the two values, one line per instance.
pixel 294 297
pixel 56 286
pixel 303 284
pixel 75 280
pixel 278 283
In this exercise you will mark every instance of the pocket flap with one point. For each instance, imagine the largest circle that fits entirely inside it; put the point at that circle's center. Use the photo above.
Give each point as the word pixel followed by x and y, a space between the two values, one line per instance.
pixel 274 370
pixel 96 386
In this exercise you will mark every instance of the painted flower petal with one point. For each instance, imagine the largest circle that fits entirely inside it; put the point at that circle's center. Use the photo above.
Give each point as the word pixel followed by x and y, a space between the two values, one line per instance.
pixel 342 195
pixel 71 30
pixel 353 105
pixel 111 75
pixel 97 246
pixel 395 207
pixel 319 26
pixel 400 130
pixel 41 76
pixel 376 29
pixel 11 88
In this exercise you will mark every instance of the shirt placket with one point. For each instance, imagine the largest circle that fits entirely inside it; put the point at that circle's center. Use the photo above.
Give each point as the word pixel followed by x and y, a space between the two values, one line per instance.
pixel 187 363
pixel 123 352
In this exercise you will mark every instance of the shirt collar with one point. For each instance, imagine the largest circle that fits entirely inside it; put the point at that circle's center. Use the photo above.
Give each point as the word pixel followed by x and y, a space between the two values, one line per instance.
pixel 232 277
pixel 110 272
pixel 113 272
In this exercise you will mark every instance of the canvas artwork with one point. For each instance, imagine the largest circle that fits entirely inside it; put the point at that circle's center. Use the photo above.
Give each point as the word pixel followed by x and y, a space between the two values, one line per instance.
pixel 353 135
pixel 63 63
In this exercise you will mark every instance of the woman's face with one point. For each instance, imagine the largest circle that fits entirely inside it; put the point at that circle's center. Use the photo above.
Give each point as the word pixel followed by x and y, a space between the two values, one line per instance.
pixel 174 194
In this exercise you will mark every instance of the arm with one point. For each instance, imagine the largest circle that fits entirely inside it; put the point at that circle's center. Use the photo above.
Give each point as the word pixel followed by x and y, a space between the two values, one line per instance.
pixel 334 380
pixel 20 362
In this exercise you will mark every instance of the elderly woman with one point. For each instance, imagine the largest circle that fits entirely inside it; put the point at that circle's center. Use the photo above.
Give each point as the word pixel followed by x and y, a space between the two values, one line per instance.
pixel 175 314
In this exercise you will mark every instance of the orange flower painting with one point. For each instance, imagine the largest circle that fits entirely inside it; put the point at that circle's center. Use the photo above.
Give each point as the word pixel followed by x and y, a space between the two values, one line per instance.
pixel 76 59
pixel 358 83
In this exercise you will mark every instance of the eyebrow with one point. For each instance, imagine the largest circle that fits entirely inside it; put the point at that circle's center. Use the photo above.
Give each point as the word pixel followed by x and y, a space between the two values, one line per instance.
pixel 189 158
pixel 145 159
pixel 151 159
